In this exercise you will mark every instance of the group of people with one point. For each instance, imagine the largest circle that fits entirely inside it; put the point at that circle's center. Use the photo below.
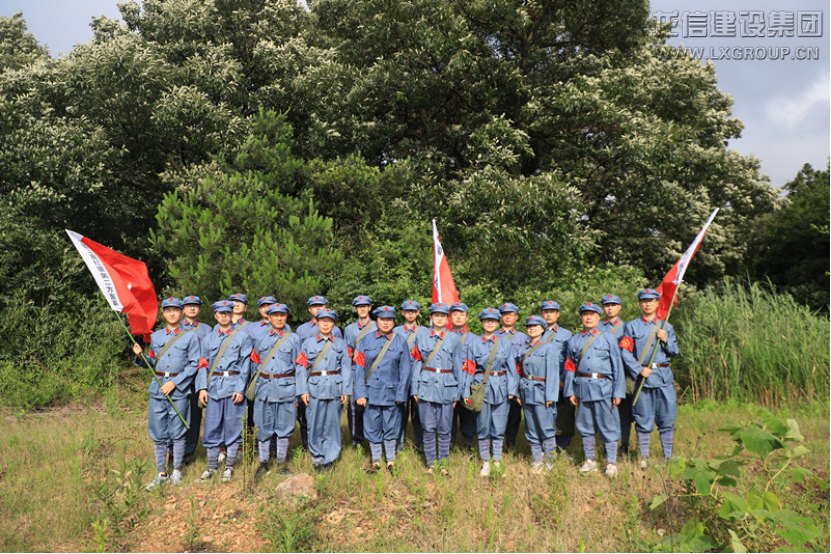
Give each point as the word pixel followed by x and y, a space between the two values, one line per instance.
pixel 596 381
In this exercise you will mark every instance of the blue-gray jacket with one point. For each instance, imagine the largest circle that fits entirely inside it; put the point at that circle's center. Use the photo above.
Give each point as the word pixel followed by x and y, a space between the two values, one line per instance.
pixel 444 387
pixel 269 389
pixel 336 364
pixel 602 358
pixel 476 361
pixel 539 374
pixel 632 344
pixel 237 358
pixel 180 363
pixel 390 382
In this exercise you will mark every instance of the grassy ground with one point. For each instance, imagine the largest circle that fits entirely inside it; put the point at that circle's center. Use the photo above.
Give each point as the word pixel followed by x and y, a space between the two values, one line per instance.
pixel 73 480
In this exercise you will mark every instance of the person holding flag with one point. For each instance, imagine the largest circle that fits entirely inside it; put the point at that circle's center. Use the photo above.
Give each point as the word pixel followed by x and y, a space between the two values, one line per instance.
pixel 174 357
pixel 221 381
pixel 648 338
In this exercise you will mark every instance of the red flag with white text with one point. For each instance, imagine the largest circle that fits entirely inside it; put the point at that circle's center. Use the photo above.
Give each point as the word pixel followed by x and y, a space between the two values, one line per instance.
pixel 676 274
pixel 124 282
pixel 444 289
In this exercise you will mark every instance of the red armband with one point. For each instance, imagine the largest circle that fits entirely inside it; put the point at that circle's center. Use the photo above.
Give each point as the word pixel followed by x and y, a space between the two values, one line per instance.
pixel 518 368
pixel 416 355
pixel 627 344
pixel 470 366
pixel 360 360
pixel 202 363
pixel 570 366
pixel 151 354
pixel 255 357
pixel 350 352
pixel 302 360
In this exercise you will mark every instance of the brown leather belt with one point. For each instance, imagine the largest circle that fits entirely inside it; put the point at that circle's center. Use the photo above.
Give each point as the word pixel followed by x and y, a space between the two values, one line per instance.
pixel 275 375
pixel 225 373
pixel 534 378
pixel 593 375
pixel 437 370
pixel 493 373
pixel 659 365
pixel 316 373
pixel 165 374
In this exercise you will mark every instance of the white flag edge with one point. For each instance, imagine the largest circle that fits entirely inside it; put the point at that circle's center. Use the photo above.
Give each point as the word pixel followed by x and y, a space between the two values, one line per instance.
pixel 98 270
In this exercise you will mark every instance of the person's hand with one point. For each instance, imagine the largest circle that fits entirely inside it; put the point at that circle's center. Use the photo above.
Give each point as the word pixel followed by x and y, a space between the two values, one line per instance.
pixel 203 397
pixel 548 404
pixel 662 335
pixel 344 398
pixel 646 372
pixel 573 400
pixel 237 397
pixel 615 402
pixel 415 397
pixel 168 387
pixel 468 401
pixel 305 398
pixel 510 397
pixel 137 350
pixel 361 402
pixel 518 400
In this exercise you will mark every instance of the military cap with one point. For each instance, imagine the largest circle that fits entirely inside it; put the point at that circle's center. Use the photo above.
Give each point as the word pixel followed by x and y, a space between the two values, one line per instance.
pixel 239 297
pixel 384 311
pixel 316 300
pixel 277 309
pixel 589 307
pixel 490 313
pixel 459 307
pixel 611 299
pixel 362 301
pixel 550 305
pixel 411 305
pixel 326 312
pixel 508 308
pixel 439 307
pixel 223 306
pixel 535 320
pixel 649 294
pixel 192 300
pixel 266 300
pixel 172 303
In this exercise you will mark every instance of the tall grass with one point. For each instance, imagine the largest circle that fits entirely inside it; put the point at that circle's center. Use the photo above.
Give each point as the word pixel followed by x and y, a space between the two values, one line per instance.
pixel 742 341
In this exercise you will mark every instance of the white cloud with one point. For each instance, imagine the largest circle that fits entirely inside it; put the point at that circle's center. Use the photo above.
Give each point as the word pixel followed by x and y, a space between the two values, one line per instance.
pixel 792 111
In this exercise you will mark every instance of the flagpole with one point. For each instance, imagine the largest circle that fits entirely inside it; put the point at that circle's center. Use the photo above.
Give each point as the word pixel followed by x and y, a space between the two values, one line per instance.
pixel 147 364
pixel 655 350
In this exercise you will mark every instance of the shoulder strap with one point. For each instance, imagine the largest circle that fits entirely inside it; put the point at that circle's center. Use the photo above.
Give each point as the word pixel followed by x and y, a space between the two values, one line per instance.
pixel 586 348
pixel 363 333
pixel 222 351
pixel 532 350
pixel 491 358
pixel 435 350
pixel 650 340
pixel 322 354
pixel 170 343
pixel 378 359
pixel 463 337
pixel 244 323
pixel 617 326
pixel 275 348
pixel 412 337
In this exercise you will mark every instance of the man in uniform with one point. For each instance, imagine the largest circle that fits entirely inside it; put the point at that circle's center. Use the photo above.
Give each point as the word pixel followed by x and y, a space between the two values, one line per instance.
pixel 174 357
pixel 274 410
pixel 382 381
pixel 510 314
pixel 324 380
pixel 656 404
pixel 353 335
pixel 305 331
pixel 410 310
pixel 192 309
pixel 264 325
pixel 221 382
pixel 594 381
pixel 613 325
pixel 436 384
pixel 240 305
pixel 465 419
pixel 558 337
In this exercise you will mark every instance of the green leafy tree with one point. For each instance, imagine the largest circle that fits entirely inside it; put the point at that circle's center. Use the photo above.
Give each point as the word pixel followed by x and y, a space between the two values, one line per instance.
pixel 239 232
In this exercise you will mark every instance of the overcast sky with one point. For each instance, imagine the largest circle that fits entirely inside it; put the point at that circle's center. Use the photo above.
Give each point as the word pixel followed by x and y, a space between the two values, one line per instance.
pixel 784 103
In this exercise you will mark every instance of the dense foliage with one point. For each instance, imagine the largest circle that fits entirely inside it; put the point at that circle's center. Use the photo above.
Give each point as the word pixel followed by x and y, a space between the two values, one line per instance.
pixel 565 149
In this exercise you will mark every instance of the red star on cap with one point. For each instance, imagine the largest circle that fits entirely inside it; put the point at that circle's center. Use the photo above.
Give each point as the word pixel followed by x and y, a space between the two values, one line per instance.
pixel 490 309
pixel 224 303
pixel 646 290
pixel 588 304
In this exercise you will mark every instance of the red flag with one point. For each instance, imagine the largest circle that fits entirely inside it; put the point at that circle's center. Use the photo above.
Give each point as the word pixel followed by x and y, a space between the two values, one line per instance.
pixel 676 274
pixel 123 281
pixel 444 289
